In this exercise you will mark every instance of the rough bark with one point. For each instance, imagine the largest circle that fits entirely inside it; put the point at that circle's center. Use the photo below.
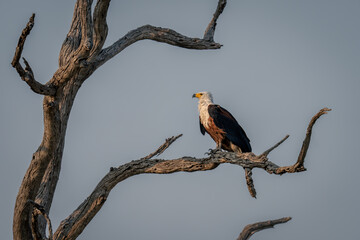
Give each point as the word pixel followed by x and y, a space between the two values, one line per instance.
pixel 80 55
pixel 250 182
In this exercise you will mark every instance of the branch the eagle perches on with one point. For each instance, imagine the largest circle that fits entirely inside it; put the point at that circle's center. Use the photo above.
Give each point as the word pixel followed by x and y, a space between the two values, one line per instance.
pixel 248 161
pixel 81 54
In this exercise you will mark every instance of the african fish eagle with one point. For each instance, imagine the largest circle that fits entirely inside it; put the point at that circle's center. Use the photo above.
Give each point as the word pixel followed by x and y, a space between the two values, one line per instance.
pixel 221 125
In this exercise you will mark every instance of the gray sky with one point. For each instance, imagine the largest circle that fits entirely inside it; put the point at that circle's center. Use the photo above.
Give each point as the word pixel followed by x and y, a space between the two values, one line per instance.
pixel 281 62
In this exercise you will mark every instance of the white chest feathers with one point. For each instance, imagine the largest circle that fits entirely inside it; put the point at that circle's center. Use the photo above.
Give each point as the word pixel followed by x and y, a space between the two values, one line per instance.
pixel 204 113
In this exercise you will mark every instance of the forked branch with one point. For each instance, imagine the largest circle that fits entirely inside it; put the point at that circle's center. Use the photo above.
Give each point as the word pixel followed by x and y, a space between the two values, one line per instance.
pixel 77 221
pixel 25 32
pixel 149 32
pixel 164 35
pixel 27 74
pixel 299 165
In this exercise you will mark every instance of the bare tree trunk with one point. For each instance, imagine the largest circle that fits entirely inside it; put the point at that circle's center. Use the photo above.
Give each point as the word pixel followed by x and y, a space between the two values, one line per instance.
pixel 81 54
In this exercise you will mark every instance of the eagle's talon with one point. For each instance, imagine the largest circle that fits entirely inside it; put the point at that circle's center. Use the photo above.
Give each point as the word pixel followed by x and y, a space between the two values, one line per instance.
pixel 212 152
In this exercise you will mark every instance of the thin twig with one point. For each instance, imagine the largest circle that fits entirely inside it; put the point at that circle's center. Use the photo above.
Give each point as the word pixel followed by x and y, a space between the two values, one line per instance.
pixel 28 68
pixel 266 153
pixel 250 229
pixel 163 147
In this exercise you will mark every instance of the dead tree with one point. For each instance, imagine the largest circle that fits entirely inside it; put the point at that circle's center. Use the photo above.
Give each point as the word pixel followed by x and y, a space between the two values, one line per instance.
pixel 81 54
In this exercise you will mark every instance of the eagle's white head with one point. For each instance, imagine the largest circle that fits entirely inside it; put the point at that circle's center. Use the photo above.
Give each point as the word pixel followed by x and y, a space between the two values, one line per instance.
pixel 204 97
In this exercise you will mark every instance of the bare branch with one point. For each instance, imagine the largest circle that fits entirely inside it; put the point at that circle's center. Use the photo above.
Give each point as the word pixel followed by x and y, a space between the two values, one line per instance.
pixel 158 34
pixel 163 35
pixel 250 229
pixel 210 30
pixel 73 38
pixel 299 165
pixel 78 41
pixel 78 220
pixel 266 153
pixel 86 28
pixel 27 74
pixel 100 26
pixel 250 182
pixel 25 32
pixel 162 148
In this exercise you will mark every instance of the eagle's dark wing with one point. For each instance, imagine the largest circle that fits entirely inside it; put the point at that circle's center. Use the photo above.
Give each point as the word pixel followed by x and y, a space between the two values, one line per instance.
pixel 202 128
pixel 233 131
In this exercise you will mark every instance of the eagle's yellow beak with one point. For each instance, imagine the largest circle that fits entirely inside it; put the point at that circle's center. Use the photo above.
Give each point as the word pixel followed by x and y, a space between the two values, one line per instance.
pixel 196 95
